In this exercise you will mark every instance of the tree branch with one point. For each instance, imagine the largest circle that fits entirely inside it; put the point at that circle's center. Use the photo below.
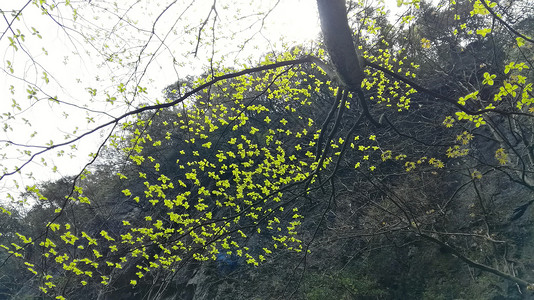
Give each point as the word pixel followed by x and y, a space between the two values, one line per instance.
pixel 338 41
pixel 475 264
pixel 439 96
pixel 216 79
pixel 505 23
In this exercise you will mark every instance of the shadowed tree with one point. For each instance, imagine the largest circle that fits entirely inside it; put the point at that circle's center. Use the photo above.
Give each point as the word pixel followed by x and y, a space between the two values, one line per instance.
pixel 345 140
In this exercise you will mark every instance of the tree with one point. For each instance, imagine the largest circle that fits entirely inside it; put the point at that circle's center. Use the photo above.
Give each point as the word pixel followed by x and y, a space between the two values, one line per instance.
pixel 259 151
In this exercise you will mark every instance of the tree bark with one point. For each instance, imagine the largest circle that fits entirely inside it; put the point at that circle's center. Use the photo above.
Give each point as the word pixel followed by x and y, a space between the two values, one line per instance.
pixel 338 41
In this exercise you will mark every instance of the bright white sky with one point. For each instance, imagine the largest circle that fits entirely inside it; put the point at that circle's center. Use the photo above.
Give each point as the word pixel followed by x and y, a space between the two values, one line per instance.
pixel 73 64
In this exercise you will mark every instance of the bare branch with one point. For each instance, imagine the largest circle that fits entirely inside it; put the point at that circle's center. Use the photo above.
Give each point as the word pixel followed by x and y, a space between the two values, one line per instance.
pixel 505 23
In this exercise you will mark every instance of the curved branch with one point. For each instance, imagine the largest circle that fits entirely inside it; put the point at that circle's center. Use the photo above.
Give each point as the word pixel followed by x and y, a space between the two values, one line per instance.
pixel 475 264
pixel 519 34
pixel 439 96
pixel 365 108
pixel 15 17
pixel 212 9
pixel 116 120
pixel 319 149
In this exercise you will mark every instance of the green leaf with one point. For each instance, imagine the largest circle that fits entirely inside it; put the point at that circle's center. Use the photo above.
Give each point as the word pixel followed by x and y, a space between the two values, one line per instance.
pixel 484 31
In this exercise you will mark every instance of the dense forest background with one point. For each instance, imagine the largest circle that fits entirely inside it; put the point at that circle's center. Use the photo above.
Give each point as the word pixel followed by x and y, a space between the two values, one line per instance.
pixel 280 181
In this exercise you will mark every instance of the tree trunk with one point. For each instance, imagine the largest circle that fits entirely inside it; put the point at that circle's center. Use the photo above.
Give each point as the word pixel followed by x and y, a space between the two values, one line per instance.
pixel 338 41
